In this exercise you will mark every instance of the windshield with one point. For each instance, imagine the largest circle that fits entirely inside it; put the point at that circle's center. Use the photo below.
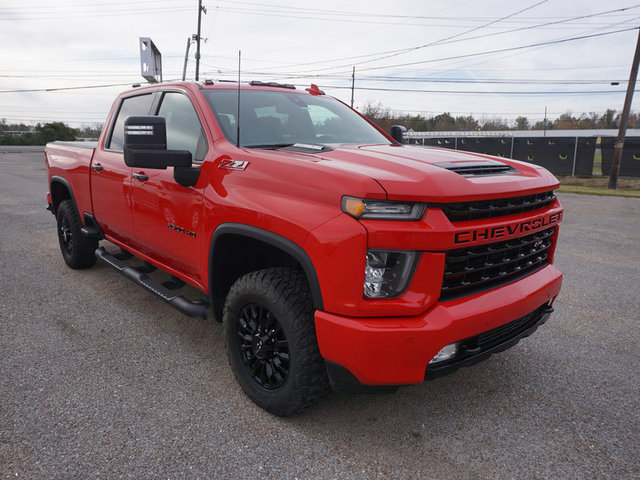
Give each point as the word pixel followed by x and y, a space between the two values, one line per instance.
pixel 277 119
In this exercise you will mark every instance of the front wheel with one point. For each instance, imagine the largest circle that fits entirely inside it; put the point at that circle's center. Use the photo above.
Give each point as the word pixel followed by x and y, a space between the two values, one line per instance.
pixel 271 341
pixel 77 250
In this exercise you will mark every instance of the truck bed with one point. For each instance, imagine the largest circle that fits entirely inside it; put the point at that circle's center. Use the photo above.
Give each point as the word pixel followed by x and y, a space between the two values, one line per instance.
pixel 71 162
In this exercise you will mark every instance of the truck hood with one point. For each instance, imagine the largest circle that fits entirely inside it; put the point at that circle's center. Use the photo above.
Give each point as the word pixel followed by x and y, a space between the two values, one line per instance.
pixel 415 173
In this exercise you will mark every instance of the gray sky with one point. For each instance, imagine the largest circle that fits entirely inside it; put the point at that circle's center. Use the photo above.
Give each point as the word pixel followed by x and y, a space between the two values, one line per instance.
pixel 436 48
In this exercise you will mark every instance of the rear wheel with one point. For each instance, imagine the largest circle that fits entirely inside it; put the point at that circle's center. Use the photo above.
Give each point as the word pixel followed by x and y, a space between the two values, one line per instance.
pixel 77 250
pixel 271 341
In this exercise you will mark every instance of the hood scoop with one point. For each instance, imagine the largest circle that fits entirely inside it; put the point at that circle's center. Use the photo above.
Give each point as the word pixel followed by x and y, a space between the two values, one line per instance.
pixel 481 168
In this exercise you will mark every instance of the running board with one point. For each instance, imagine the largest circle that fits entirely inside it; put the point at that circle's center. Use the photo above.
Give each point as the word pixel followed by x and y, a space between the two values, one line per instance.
pixel 176 301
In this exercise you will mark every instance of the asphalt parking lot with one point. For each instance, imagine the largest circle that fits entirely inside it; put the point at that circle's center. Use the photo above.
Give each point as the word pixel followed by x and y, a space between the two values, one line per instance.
pixel 99 379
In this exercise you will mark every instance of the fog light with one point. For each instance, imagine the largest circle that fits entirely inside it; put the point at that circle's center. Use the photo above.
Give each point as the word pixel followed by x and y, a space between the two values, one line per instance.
pixel 447 353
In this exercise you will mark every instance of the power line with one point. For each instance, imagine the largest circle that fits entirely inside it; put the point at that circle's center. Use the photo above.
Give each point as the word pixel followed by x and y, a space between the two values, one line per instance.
pixel 93 13
pixel 452 37
pixel 445 42
pixel 479 92
pixel 519 69
pixel 342 13
pixel 360 17
pixel 93 4
pixel 79 75
pixel 501 81
pixel 464 63
pixel 53 119
pixel 92 60
pixel 501 50
pixel 267 8
pixel 381 89
pixel 32 90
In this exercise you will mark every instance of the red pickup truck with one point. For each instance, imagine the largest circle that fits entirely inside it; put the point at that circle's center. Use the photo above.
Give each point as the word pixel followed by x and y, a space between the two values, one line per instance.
pixel 334 255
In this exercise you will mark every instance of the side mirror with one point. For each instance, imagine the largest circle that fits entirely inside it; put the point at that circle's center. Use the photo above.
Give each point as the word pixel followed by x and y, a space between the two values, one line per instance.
pixel 397 133
pixel 145 145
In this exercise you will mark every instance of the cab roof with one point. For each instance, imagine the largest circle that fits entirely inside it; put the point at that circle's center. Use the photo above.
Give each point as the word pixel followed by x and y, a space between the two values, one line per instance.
pixel 229 84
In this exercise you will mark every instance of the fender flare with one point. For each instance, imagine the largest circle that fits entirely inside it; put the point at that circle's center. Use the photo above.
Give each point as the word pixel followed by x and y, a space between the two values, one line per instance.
pixel 67 185
pixel 275 240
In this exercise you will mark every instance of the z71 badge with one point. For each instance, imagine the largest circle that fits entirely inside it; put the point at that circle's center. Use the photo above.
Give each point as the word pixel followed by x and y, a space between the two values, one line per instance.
pixel 229 164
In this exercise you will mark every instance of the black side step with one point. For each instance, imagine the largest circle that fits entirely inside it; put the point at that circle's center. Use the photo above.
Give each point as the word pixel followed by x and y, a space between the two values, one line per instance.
pixel 174 283
pixel 146 268
pixel 177 301
pixel 123 255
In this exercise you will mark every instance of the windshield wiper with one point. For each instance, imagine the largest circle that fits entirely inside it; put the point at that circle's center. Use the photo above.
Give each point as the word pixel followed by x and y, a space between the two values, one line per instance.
pixel 293 147
pixel 270 146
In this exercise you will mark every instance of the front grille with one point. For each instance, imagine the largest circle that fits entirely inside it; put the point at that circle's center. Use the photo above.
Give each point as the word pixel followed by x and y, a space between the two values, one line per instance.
pixel 499 207
pixel 478 268
pixel 474 349
pixel 479 168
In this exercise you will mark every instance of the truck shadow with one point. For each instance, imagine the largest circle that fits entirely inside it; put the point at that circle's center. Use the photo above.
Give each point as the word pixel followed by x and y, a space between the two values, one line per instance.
pixel 455 408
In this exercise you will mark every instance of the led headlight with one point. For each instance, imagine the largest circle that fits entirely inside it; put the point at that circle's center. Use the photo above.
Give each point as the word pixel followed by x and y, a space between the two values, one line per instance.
pixel 388 272
pixel 382 209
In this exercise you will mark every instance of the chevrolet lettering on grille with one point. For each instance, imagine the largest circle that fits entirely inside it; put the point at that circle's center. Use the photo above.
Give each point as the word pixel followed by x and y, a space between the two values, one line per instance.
pixel 507 231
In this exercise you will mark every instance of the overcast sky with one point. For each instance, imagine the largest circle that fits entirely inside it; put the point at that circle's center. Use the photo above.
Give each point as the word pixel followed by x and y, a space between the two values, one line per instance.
pixel 412 56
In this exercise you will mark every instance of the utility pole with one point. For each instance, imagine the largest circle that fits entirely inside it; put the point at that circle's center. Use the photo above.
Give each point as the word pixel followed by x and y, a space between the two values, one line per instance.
pixel 624 121
pixel 353 83
pixel 545 120
pixel 186 57
pixel 200 10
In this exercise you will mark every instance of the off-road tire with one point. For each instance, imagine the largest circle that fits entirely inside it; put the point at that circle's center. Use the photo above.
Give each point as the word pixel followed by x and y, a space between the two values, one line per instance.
pixel 283 293
pixel 77 250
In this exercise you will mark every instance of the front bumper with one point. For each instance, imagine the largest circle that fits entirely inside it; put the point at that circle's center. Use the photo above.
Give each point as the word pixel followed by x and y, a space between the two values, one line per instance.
pixel 396 351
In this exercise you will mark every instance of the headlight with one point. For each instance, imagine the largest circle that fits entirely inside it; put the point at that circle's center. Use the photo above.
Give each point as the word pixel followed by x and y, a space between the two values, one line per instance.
pixel 388 272
pixel 382 209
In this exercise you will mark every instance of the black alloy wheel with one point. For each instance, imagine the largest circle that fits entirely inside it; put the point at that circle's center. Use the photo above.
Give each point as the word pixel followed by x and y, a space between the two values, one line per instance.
pixel 271 340
pixel 77 249
pixel 66 236
pixel 264 346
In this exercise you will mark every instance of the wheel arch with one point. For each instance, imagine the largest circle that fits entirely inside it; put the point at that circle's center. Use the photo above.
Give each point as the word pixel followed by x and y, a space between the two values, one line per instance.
pixel 229 260
pixel 60 189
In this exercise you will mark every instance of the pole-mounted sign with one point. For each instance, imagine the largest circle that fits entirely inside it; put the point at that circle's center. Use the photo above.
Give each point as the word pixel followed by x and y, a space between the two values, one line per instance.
pixel 150 61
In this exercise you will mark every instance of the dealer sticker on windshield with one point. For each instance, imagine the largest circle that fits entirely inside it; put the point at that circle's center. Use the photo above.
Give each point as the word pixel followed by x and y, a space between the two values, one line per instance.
pixel 309 146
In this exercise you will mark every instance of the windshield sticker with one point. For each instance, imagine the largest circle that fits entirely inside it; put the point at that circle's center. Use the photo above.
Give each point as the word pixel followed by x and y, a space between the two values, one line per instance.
pixel 308 146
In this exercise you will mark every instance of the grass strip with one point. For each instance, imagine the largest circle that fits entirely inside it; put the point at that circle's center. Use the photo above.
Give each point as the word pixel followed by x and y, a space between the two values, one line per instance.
pixel 603 192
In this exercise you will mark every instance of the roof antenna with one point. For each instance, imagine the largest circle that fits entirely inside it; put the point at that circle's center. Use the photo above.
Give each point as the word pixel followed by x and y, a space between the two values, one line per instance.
pixel 238 115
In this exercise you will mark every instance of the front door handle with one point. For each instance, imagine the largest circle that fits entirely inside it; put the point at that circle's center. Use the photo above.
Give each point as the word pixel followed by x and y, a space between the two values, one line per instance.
pixel 140 176
pixel 97 167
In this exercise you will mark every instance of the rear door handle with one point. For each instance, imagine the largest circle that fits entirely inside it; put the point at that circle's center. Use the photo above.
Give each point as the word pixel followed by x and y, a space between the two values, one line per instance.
pixel 97 167
pixel 140 176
